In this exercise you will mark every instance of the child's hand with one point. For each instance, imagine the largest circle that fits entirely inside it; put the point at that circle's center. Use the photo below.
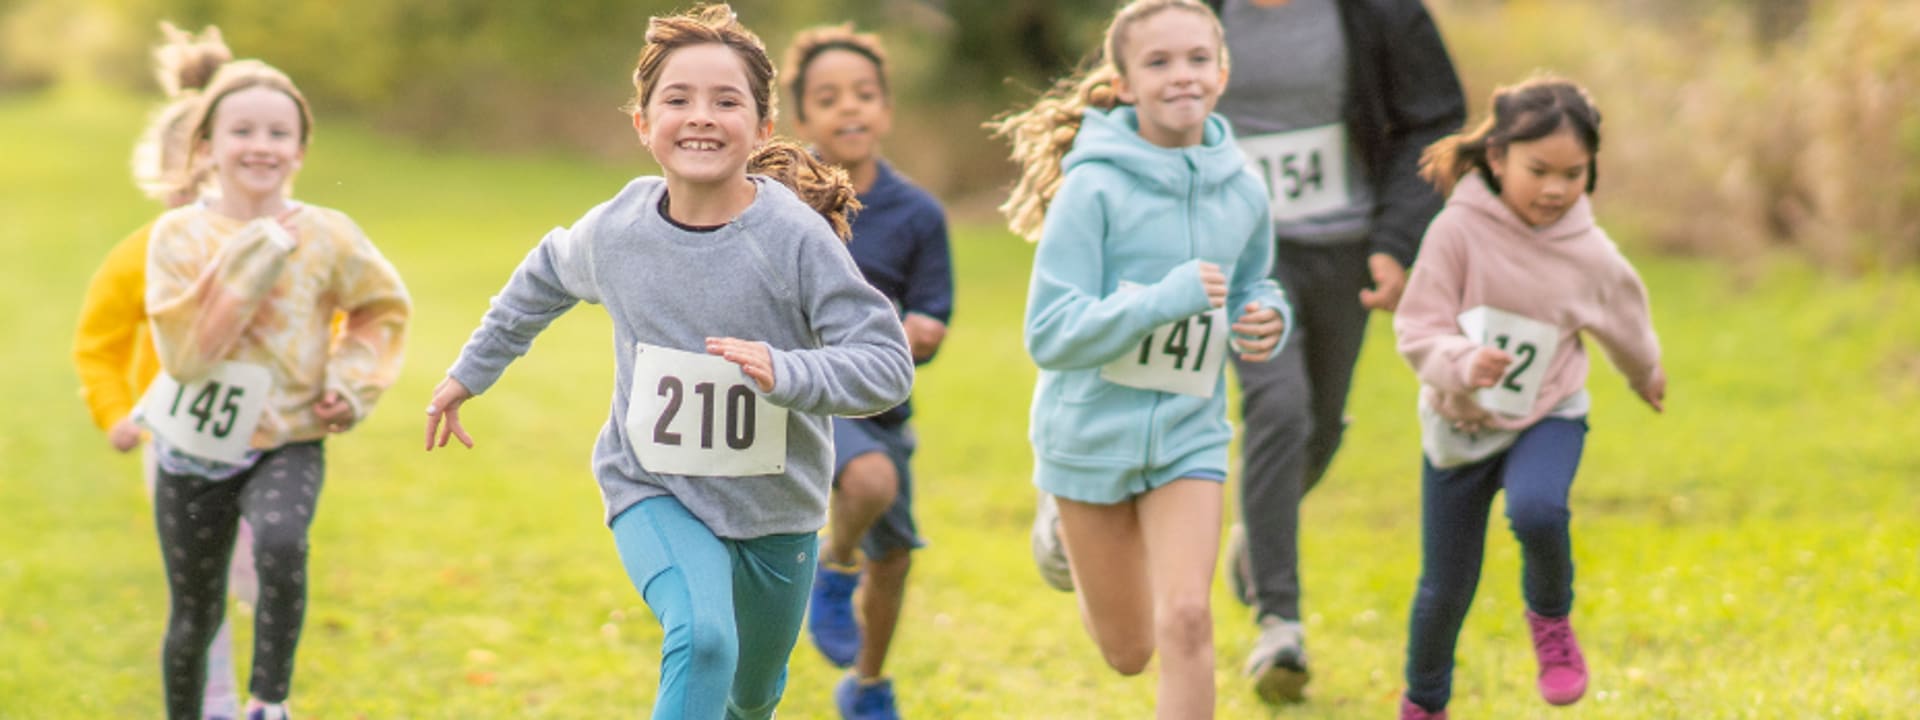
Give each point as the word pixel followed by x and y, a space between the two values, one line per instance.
pixel 1389 281
pixel 753 358
pixel 1215 283
pixel 285 218
pixel 447 398
pixel 1489 365
pixel 1264 326
pixel 334 412
pixel 923 335
pixel 1655 391
pixel 125 435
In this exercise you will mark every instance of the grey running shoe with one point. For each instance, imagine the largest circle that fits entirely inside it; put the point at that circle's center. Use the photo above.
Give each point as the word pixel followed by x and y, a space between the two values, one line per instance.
pixel 1278 663
pixel 1048 554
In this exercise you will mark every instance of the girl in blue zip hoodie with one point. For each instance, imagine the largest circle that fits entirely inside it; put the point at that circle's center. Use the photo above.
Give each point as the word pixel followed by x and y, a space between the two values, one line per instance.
pixel 1155 248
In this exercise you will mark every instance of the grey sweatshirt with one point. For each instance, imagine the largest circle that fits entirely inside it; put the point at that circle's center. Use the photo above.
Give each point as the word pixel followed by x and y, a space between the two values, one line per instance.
pixel 776 274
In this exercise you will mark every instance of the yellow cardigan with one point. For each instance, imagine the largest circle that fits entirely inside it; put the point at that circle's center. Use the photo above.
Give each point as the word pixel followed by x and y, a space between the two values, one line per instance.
pixel 112 347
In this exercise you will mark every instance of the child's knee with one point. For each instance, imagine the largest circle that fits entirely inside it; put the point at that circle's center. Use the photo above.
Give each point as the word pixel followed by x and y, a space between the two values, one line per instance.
pixel 1185 626
pixel 1530 521
pixel 1127 656
pixel 871 479
pixel 709 646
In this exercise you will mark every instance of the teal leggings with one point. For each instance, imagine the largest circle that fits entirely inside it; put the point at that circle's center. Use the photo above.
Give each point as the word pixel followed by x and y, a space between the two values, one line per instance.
pixel 731 609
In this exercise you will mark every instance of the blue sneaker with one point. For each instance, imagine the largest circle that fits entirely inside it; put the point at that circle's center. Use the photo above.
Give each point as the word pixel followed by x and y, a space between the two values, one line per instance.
pixel 830 620
pixel 865 702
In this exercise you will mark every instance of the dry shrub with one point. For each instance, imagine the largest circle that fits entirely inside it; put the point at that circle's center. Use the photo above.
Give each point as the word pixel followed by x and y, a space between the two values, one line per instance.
pixel 1715 144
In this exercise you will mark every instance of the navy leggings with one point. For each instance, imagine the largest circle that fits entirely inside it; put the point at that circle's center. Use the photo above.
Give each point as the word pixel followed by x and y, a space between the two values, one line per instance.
pixel 1537 473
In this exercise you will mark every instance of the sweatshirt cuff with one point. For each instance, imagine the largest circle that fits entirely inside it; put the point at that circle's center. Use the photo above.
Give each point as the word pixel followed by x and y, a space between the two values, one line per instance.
pixel 1178 295
pixel 276 234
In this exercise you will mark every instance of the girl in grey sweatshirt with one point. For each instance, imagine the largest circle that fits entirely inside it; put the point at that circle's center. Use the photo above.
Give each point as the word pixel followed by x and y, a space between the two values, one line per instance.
pixel 741 325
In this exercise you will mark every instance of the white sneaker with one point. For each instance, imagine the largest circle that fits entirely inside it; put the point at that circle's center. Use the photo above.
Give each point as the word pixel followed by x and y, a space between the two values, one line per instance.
pixel 1048 554
pixel 1278 663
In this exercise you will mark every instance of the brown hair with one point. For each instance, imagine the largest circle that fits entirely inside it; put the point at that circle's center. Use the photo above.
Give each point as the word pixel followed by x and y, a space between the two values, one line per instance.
pixel 231 78
pixel 183 64
pixel 812 42
pixel 1042 134
pixel 1531 110
pixel 825 188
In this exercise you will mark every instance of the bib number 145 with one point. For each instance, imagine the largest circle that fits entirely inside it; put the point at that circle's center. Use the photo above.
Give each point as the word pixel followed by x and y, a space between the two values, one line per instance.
pixel 694 414
pixel 213 418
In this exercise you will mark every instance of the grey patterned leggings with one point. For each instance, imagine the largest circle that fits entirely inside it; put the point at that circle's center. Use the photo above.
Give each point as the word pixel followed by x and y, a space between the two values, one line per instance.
pixel 197 520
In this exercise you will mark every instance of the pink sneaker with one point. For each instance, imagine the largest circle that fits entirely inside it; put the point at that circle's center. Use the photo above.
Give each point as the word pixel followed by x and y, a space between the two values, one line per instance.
pixel 1410 711
pixel 1563 670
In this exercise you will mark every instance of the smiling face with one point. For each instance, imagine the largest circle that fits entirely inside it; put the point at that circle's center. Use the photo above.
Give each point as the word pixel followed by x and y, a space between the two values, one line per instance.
pixel 254 143
pixel 1541 179
pixel 700 120
pixel 844 110
pixel 1171 72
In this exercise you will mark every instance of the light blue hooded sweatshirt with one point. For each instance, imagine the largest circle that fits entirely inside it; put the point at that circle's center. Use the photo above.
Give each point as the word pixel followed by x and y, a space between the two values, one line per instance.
pixel 1131 211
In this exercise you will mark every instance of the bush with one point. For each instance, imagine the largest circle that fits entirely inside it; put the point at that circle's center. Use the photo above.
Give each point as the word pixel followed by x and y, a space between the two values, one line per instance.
pixel 1717 144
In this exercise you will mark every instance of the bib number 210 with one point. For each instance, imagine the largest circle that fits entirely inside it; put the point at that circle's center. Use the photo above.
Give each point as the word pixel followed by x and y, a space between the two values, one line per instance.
pixel 738 408
pixel 695 414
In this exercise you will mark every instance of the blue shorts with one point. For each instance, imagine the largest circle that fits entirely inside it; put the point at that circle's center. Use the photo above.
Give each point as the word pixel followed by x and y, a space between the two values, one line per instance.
pixel 1108 486
pixel 853 437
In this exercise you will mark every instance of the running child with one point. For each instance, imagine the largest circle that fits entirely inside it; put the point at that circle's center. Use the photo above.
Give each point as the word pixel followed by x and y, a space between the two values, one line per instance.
pixel 1153 236
pixel 112 350
pixel 241 291
pixel 837 79
pixel 741 324
pixel 1512 271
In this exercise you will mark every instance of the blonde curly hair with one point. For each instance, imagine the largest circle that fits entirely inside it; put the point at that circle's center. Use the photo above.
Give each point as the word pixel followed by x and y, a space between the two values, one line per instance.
pixel 1042 134
pixel 183 64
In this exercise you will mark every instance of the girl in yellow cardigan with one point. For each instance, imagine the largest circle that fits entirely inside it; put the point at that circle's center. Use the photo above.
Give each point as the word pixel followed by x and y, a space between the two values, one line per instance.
pixel 240 292
pixel 112 350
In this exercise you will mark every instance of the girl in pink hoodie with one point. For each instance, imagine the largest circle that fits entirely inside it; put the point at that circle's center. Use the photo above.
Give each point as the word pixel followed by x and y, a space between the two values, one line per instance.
pixel 1509 275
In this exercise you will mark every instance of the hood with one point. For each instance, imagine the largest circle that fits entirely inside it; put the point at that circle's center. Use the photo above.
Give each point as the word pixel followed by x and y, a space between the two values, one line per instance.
pixel 1473 195
pixel 1113 137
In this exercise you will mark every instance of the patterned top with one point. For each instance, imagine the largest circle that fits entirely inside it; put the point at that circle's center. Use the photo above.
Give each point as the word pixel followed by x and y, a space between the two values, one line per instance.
pixel 221 289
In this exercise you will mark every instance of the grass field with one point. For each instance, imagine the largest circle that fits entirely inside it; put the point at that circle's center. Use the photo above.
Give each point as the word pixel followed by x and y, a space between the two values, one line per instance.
pixel 1754 553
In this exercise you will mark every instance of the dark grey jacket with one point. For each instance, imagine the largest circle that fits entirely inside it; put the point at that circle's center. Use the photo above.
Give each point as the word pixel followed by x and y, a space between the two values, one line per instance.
pixel 1402 95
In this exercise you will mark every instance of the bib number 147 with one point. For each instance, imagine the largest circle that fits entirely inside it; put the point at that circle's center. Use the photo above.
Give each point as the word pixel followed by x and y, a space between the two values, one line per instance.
pixel 1183 356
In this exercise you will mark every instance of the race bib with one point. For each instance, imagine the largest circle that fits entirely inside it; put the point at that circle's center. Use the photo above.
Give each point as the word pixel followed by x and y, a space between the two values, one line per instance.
pixel 1182 357
pixel 1531 343
pixel 696 414
pixel 212 419
pixel 1305 170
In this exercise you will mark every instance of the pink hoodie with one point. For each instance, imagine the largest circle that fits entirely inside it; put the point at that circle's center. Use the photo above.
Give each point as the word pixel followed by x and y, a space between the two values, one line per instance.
pixel 1568 274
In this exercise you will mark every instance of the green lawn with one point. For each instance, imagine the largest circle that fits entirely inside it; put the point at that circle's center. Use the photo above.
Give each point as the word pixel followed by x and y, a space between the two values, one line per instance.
pixel 1753 553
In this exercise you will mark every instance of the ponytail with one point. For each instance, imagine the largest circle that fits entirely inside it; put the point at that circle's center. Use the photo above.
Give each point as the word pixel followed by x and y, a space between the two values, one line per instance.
pixel 184 65
pixel 1041 135
pixel 823 187
pixel 1447 160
